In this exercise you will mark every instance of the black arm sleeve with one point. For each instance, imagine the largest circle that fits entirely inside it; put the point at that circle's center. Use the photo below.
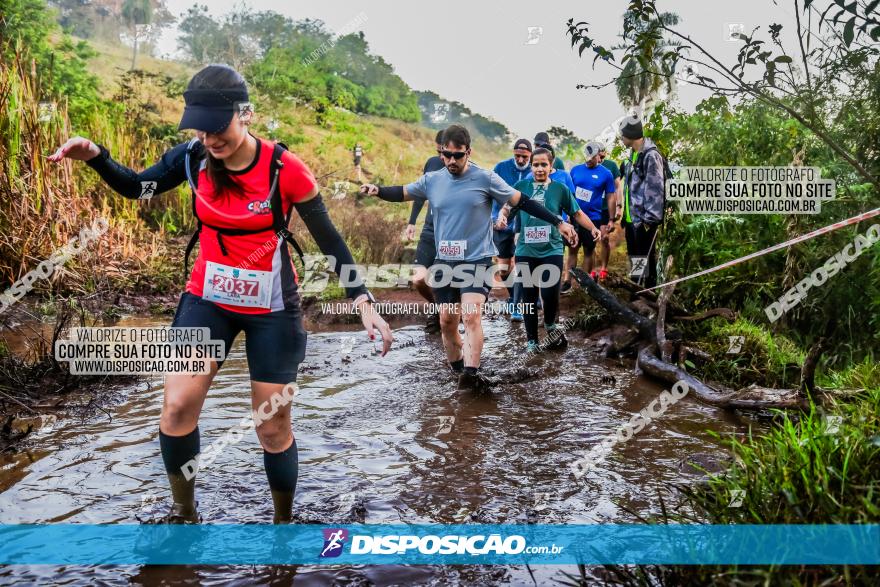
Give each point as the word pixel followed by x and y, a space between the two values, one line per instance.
pixel 391 194
pixel 416 210
pixel 537 210
pixel 168 172
pixel 316 218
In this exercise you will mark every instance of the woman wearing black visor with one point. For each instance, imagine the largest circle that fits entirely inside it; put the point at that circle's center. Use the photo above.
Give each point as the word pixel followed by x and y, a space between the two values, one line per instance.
pixel 243 278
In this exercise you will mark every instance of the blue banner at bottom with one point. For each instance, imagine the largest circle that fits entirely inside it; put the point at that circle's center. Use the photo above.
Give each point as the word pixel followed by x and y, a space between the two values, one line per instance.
pixel 75 544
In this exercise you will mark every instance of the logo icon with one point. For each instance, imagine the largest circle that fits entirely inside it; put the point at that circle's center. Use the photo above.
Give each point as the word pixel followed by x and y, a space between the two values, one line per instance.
pixel 45 111
pixel 832 424
pixel 639 264
pixel 47 423
pixel 244 109
pixel 334 540
pixel 735 344
pixel 148 189
pixel 690 73
pixel 339 188
pixel 736 31
pixel 446 423
pixel 346 344
pixel 736 498
pixel 441 112
pixel 535 34
pixel 541 501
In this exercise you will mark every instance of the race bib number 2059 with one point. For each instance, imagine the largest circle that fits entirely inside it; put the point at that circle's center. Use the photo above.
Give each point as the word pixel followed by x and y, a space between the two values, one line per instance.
pixel 452 250
pixel 237 287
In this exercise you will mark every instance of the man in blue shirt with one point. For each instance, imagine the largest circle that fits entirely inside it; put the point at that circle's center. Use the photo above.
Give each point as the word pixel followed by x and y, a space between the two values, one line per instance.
pixel 593 183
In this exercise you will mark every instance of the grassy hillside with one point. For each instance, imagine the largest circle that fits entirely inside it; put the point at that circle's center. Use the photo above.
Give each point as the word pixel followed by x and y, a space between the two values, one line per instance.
pixel 394 150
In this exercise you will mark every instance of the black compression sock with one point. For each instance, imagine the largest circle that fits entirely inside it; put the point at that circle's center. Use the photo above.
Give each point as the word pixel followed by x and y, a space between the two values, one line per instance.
pixel 282 470
pixel 471 370
pixel 457 366
pixel 178 454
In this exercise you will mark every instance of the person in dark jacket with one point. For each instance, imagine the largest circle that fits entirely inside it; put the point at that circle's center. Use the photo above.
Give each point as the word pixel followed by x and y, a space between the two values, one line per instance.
pixel 644 187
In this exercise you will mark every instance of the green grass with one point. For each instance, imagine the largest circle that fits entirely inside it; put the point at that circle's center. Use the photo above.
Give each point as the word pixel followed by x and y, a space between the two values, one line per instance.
pixel 766 358
pixel 814 468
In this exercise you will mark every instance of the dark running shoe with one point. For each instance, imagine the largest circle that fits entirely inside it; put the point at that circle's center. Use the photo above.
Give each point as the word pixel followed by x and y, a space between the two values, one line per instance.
pixel 475 382
pixel 555 340
pixel 566 288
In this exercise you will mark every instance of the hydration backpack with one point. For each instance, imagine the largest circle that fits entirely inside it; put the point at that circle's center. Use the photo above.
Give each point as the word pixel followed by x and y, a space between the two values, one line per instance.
pixel 194 155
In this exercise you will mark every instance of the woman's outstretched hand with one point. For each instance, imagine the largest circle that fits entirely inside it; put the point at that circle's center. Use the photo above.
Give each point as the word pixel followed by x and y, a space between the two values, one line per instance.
pixel 79 148
pixel 372 322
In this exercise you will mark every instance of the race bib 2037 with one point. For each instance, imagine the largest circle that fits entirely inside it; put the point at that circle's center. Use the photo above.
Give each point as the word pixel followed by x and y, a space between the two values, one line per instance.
pixel 237 287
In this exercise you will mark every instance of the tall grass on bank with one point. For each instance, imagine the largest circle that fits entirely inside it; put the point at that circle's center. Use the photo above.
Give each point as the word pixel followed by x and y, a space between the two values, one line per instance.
pixel 43 205
pixel 822 467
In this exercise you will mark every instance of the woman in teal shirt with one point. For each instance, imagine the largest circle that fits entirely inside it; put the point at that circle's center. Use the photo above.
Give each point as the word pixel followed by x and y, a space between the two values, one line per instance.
pixel 539 248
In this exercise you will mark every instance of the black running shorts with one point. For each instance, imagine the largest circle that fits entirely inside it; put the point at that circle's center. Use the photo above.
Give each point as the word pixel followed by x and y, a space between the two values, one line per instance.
pixel 275 342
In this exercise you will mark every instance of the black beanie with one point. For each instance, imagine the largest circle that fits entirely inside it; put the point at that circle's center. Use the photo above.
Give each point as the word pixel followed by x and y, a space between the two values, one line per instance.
pixel 631 128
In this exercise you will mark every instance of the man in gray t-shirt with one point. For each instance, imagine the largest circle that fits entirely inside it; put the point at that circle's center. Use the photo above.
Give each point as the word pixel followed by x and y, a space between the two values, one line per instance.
pixel 461 197
pixel 462 204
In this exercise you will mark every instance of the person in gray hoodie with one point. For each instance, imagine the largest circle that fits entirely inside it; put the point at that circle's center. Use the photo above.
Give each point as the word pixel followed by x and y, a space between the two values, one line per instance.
pixel 644 189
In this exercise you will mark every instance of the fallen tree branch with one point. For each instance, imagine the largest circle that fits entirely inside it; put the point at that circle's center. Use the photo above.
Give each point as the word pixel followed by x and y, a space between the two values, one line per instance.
pixel 808 371
pixel 621 313
pixel 756 397
pixel 751 398
pixel 686 350
pixel 725 313
pixel 670 373
pixel 664 346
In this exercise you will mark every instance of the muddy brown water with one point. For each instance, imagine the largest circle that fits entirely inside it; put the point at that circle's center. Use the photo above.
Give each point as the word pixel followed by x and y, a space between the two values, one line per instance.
pixel 381 440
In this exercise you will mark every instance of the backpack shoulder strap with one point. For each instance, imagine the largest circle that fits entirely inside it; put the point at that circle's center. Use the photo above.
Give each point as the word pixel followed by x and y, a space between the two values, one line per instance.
pixel 192 163
pixel 195 152
pixel 279 219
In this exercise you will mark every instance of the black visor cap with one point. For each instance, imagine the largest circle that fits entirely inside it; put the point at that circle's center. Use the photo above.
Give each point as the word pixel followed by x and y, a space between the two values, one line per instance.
pixel 210 110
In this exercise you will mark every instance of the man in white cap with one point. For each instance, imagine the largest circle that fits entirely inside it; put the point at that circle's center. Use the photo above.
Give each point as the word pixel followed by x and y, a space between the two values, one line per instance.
pixel 595 192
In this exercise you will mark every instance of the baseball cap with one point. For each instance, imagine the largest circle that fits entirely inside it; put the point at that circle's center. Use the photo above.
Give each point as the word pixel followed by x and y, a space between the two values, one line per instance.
pixel 631 127
pixel 592 149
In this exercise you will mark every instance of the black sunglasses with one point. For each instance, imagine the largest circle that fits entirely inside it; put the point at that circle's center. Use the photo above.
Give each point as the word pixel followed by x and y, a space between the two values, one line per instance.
pixel 453 154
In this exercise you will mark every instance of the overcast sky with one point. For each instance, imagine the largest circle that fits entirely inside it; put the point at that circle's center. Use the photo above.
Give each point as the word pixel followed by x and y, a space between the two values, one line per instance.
pixel 477 52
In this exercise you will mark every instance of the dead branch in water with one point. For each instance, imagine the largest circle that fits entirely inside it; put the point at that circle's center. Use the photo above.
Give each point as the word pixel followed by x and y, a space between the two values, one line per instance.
pixel 652 335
